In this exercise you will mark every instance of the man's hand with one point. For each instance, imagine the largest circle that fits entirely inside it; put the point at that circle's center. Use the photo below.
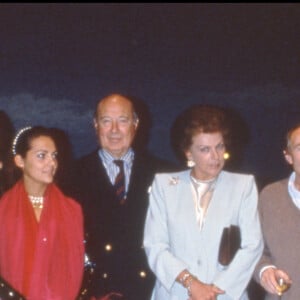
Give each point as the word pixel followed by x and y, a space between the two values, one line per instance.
pixel 269 279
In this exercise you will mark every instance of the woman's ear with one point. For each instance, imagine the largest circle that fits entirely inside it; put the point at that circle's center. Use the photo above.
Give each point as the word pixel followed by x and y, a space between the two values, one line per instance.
pixel 188 155
pixel 288 157
pixel 19 161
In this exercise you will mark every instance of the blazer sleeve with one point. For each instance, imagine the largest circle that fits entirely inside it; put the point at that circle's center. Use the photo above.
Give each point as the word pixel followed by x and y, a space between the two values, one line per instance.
pixel 265 259
pixel 235 278
pixel 162 262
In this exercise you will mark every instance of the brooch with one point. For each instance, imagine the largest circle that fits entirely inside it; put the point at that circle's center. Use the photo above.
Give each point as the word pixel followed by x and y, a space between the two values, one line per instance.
pixel 173 180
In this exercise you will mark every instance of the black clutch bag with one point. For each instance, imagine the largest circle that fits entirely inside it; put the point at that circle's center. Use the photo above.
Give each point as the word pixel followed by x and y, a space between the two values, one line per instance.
pixel 7 292
pixel 230 243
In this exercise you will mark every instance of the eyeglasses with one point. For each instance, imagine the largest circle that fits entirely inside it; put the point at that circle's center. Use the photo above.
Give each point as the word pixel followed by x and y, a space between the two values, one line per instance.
pixel 106 122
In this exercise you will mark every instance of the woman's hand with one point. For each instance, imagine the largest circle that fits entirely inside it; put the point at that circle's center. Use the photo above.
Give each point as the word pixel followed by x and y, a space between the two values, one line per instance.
pixel 196 289
pixel 202 291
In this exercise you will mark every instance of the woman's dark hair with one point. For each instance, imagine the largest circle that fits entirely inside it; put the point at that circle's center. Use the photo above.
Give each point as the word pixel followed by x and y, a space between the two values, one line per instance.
pixel 196 119
pixel 23 139
pixel 6 135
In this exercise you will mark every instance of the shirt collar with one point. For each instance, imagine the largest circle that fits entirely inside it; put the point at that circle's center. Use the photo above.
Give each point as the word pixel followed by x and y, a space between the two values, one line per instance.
pixel 108 159
pixel 293 192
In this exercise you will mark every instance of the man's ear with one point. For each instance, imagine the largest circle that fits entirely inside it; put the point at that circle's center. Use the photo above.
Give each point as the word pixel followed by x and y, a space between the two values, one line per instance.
pixel 136 123
pixel 288 157
pixel 19 161
pixel 95 123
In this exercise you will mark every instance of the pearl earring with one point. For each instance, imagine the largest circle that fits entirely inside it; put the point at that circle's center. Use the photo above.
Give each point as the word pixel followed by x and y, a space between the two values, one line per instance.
pixel 190 163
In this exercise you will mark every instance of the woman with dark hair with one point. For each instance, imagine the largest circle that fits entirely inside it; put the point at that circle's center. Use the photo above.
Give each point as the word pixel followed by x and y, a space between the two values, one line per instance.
pixel 193 213
pixel 41 232
pixel 6 166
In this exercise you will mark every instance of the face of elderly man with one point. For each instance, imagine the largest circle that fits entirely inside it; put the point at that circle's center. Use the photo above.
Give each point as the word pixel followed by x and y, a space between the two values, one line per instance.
pixel 115 124
pixel 292 154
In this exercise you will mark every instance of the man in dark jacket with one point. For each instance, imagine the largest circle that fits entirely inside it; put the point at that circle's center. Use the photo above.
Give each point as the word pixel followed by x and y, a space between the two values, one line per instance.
pixel 114 197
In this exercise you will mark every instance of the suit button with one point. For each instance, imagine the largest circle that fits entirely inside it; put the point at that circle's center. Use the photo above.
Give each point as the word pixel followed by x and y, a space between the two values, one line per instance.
pixel 105 275
pixel 108 247
pixel 143 274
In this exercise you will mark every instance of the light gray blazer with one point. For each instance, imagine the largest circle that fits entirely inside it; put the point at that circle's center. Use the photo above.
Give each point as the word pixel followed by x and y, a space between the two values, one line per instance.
pixel 173 241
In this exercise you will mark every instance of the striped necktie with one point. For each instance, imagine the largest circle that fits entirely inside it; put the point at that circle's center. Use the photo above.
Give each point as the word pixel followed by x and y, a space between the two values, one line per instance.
pixel 119 184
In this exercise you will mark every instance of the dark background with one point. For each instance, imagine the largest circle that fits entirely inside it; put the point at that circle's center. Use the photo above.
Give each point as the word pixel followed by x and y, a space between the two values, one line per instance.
pixel 57 60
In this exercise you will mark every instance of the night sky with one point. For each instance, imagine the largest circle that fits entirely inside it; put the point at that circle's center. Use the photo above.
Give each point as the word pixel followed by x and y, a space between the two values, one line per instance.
pixel 57 60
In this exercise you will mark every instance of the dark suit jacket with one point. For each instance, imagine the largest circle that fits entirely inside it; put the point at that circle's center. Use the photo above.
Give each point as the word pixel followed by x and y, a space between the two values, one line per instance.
pixel 120 226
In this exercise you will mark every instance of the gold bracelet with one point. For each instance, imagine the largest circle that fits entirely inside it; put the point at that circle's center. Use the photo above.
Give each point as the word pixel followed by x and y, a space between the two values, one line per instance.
pixel 189 281
pixel 184 278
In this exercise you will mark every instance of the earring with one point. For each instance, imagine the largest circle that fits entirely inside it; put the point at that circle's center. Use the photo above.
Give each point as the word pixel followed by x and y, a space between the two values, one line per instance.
pixel 226 155
pixel 190 163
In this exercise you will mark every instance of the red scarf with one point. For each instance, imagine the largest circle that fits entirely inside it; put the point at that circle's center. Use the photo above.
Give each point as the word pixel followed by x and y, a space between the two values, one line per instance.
pixel 42 260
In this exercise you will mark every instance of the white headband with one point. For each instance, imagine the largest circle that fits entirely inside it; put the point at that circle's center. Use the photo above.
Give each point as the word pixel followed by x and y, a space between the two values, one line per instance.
pixel 15 141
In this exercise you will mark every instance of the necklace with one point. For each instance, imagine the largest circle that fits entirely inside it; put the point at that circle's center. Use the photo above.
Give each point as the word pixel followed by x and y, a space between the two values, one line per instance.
pixel 37 202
